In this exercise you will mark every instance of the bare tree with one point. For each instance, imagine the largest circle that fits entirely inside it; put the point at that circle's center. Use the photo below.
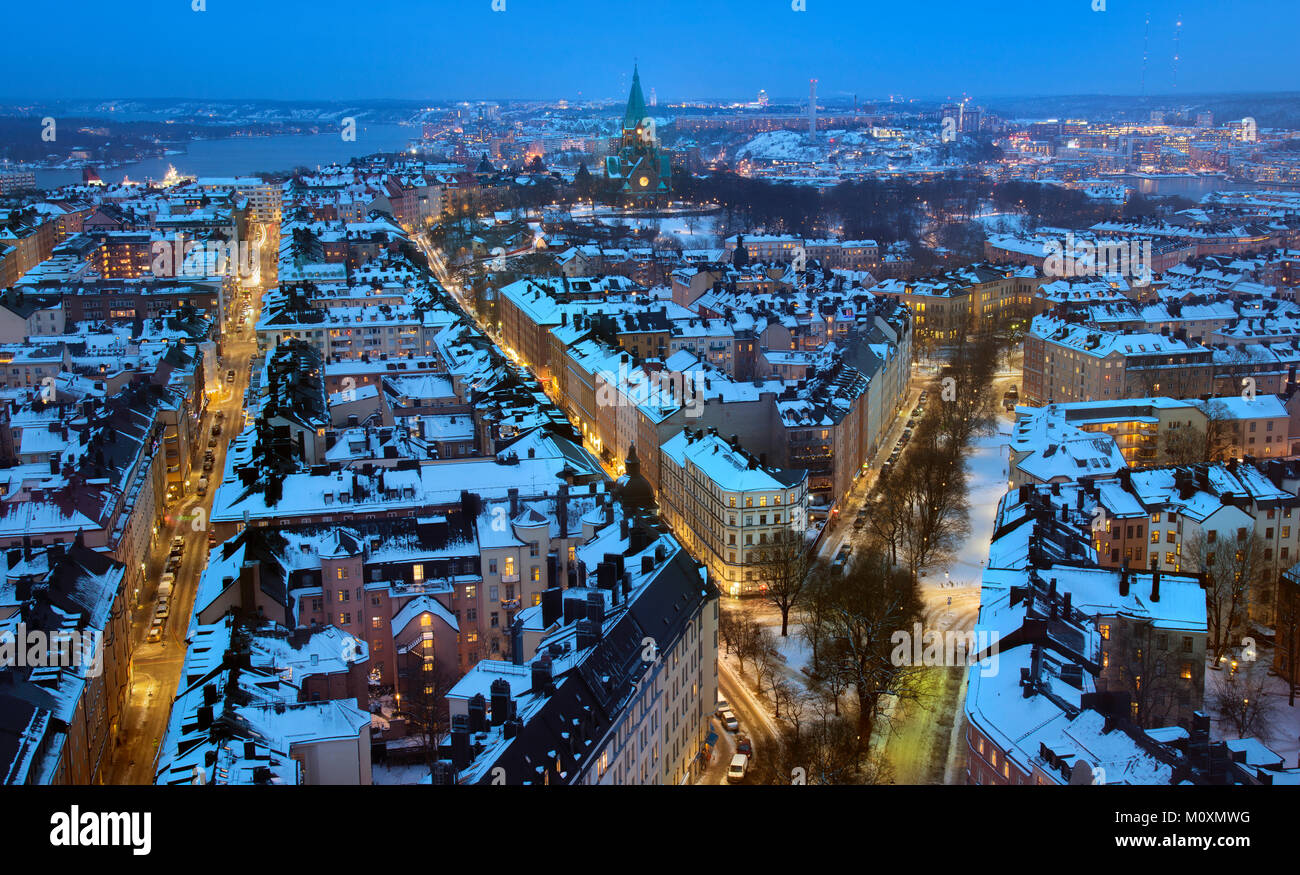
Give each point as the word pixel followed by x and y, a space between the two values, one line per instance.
pixel 889 513
pixel 1146 675
pixel 1192 444
pixel 965 404
pixel 767 661
pixel 935 502
pixel 823 750
pixel 871 602
pixel 1230 566
pixel 423 705
pixel 1243 702
pixel 812 608
pixel 783 565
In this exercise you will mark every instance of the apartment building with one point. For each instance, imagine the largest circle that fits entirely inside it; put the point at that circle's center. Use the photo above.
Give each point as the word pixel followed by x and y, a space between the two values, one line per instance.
pixel 1066 362
pixel 727 506
pixel 617 685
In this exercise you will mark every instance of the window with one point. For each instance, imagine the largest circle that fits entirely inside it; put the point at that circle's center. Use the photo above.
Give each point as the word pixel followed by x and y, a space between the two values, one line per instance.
pixel 345 619
pixel 510 565
pixel 344 595
pixel 1187 644
pixel 417 572
pixel 492 566
pixel 342 573
pixel 1186 671
pixel 375 622
pixel 425 619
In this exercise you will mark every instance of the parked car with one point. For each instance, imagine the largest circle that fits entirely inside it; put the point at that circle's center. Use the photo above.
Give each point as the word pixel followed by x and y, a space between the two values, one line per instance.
pixel 212 539
pixel 179 541
pixel 221 416
pixel 173 563
pixel 723 705
pixel 729 720
pixel 208 465
pixel 167 580
pixel 161 610
pixel 736 771
pixel 155 632
pixel 216 430
pixel 230 376
pixel 203 486
pixel 745 746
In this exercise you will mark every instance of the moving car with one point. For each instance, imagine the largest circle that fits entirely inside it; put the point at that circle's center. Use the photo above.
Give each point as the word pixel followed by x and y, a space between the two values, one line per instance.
pixel 736 771
pixel 155 632
pixel 203 486
pixel 230 376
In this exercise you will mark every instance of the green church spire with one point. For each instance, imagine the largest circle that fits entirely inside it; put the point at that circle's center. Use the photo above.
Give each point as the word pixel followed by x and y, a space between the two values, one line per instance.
pixel 636 110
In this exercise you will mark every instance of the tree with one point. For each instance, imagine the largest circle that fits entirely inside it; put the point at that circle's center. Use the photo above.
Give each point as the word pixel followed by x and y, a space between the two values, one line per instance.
pixel 812 608
pixel 424 704
pixel 889 514
pixel 1243 703
pixel 783 565
pixel 1145 675
pixel 966 404
pixel 1230 565
pixel 872 601
pixel 934 503
pixel 1191 444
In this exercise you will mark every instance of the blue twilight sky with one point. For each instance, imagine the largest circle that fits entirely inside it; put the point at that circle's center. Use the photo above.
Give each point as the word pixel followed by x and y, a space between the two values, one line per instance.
pixel 351 49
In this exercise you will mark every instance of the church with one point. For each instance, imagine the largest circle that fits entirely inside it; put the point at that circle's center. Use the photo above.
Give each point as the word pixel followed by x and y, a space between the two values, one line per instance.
pixel 643 168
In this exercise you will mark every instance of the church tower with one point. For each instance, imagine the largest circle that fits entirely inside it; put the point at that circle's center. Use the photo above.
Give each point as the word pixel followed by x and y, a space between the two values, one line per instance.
pixel 643 168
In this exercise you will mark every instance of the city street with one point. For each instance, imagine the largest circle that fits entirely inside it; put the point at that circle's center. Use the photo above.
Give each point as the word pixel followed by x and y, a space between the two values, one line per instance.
pixel 156 667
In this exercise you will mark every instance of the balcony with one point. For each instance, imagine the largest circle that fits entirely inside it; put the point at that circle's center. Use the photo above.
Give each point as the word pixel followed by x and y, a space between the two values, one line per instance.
pixel 510 578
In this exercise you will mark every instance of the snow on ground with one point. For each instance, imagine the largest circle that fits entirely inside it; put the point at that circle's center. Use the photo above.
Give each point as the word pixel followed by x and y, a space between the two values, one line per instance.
pixel 986 483
pixel 1001 223
pixel 1283 735
pixel 794 650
